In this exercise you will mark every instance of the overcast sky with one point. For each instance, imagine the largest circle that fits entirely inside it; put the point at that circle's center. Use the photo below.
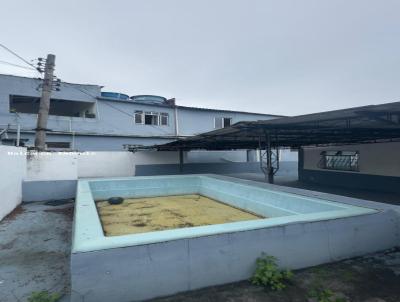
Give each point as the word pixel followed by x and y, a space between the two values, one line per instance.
pixel 279 57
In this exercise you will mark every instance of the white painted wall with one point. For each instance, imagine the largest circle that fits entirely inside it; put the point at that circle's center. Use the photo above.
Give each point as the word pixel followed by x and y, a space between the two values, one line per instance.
pixel 375 159
pixel 155 158
pixel 12 172
pixel 52 166
pixel 105 164
pixel 74 165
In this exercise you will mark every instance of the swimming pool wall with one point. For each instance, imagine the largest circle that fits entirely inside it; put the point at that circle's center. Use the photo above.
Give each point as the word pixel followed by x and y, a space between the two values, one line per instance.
pixel 135 268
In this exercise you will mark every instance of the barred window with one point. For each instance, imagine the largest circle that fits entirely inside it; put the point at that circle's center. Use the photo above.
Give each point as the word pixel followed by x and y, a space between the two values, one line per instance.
pixel 339 160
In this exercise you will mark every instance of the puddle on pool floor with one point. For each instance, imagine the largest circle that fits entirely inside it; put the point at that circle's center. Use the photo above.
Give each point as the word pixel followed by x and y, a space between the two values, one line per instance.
pixel 140 215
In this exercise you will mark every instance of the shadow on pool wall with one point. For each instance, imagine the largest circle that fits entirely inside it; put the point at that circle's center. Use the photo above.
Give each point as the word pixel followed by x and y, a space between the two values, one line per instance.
pixel 303 229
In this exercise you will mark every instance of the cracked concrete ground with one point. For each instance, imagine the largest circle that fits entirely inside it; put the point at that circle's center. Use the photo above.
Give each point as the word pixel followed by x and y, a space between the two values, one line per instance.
pixel 34 251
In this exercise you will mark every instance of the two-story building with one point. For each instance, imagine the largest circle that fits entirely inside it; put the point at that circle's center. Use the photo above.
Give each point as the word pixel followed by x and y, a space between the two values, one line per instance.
pixel 84 118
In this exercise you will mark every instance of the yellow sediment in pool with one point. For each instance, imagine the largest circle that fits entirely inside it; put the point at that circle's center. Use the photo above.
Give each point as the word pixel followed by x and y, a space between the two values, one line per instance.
pixel 140 215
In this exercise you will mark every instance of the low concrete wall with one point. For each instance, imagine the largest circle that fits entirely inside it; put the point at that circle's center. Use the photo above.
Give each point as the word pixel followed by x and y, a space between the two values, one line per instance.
pixel 374 159
pixel 351 180
pixel 50 175
pixel 52 166
pixel 105 164
pixel 45 190
pixel 143 266
pixel 62 170
pixel 144 272
pixel 12 172
pixel 197 168
pixel 379 167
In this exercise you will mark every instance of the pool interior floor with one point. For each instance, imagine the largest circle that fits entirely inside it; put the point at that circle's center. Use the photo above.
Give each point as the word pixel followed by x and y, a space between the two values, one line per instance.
pixel 140 215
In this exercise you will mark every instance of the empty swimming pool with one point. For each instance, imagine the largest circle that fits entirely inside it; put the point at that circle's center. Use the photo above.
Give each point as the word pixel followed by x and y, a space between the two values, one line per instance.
pixel 132 265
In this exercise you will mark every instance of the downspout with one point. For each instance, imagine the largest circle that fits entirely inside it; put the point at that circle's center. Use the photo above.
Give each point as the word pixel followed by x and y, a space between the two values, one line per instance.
pixel 18 135
pixel 72 134
pixel 176 121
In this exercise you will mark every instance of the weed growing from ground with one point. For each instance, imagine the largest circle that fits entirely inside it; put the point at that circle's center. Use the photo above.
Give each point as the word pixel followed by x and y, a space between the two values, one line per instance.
pixel 44 296
pixel 324 295
pixel 269 275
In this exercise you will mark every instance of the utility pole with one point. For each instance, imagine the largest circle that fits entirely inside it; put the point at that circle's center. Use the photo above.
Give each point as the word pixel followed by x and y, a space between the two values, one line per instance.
pixel 44 107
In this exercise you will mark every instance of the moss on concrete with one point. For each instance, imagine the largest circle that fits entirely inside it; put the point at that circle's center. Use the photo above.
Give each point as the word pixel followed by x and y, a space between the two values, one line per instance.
pixel 142 215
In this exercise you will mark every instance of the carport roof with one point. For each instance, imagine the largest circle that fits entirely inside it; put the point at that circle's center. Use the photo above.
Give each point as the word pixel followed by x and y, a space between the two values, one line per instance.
pixel 354 125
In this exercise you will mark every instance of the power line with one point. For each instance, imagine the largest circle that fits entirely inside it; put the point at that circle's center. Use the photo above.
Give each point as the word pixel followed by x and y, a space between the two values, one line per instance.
pixel 17 55
pixel 16 65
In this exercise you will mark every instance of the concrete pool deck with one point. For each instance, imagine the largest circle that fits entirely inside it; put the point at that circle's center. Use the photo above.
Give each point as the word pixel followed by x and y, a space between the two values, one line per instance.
pixel 35 247
pixel 312 229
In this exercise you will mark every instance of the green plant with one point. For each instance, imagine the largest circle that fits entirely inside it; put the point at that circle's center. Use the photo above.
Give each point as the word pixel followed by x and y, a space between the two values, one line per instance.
pixel 269 275
pixel 44 296
pixel 324 295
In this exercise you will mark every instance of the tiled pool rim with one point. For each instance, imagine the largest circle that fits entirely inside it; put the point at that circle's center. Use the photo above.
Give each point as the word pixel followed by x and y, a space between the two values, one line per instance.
pixel 291 206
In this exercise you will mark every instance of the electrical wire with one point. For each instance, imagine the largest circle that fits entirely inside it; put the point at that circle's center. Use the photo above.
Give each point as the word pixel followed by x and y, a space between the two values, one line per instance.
pixel 16 65
pixel 17 55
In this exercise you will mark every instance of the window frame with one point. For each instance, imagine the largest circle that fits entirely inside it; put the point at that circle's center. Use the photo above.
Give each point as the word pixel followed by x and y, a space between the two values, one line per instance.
pixel 161 115
pixel 141 114
pixel 154 115
pixel 222 118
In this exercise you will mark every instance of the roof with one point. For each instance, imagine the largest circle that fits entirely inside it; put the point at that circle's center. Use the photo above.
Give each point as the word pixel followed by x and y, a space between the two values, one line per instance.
pixel 354 125
pixel 182 107
pixel 148 104
pixel 226 110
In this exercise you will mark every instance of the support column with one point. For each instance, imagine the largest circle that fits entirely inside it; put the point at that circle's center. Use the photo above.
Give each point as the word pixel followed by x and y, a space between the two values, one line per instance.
pixel 270 169
pixel 181 161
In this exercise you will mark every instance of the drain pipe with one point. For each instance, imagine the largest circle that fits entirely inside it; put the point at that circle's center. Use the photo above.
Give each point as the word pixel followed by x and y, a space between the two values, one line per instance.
pixel 176 121
pixel 18 134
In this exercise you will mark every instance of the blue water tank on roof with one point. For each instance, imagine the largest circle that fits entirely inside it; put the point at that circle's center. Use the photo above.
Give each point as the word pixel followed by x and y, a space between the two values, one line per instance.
pixel 115 95
pixel 149 99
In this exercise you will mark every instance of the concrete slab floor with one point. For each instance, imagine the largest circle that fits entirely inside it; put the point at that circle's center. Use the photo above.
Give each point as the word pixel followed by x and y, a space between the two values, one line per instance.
pixel 35 243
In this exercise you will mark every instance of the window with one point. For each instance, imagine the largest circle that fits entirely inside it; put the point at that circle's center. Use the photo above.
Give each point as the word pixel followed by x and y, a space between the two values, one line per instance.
pixel 138 117
pixel 151 118
pixel 222 122
pixel 339 160
pixel 164 119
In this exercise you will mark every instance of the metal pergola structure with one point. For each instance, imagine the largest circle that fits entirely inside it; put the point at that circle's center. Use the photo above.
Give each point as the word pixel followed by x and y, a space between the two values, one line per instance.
pixel 367 124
